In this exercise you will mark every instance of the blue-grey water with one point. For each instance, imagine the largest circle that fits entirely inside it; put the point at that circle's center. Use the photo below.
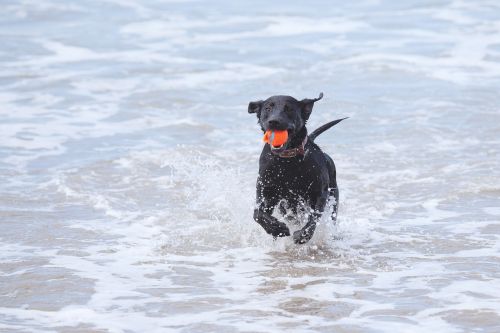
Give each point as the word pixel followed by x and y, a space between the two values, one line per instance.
pixel 128 164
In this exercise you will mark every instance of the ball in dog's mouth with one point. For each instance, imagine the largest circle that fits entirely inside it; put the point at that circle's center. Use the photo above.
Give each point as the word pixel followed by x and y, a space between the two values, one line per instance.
pixel 276 139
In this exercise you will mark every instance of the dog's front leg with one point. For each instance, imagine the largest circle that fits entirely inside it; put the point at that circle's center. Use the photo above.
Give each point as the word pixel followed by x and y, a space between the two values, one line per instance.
pixel 303 235
pixel 266 201
pixel 270 224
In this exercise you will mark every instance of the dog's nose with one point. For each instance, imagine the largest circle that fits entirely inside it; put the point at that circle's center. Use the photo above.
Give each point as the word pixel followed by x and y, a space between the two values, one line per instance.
pixel 273 123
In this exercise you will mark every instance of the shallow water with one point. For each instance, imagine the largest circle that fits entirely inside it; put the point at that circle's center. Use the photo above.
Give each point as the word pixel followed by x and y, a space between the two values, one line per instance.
pixel 128 164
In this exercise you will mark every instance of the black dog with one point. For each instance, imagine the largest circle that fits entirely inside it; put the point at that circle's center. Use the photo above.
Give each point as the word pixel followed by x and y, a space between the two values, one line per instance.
pixel 297 175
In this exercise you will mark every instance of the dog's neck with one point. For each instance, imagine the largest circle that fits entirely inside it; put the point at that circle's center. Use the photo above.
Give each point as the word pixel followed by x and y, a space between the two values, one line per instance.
pixel 297 145
pixel 297 140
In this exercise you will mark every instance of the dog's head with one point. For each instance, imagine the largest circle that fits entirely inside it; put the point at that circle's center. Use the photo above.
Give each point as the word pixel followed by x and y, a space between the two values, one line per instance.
pixel 283 113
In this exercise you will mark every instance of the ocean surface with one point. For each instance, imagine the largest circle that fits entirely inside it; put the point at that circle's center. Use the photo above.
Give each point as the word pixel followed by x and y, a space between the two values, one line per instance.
pixel 128 164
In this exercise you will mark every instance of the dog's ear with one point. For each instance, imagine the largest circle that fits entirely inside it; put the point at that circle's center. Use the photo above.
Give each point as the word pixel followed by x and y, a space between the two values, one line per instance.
pixel 307 105
pixel 254 107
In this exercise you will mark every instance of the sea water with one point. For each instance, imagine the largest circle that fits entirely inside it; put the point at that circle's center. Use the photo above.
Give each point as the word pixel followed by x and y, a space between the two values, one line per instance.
pixel 128 164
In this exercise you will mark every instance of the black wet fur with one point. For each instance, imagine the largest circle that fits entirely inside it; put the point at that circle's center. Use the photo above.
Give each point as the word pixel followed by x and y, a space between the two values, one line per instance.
pixel 308 179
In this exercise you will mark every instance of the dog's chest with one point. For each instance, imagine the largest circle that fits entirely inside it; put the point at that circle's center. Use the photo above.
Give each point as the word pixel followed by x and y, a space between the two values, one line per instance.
pixel 292 177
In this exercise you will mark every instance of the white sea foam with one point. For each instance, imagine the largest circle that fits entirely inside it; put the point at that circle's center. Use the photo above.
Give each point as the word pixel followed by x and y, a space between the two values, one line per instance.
pixel 176 28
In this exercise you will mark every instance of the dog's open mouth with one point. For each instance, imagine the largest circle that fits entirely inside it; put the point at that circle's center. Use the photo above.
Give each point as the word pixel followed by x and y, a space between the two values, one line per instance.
pixel 277 139
pixel 278 149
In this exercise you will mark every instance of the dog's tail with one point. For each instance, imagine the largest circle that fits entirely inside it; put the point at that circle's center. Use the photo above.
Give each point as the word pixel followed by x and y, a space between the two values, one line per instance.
pixel 323 128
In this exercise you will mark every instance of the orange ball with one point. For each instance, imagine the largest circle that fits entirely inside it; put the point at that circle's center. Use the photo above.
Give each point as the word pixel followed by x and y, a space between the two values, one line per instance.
pixel 276 138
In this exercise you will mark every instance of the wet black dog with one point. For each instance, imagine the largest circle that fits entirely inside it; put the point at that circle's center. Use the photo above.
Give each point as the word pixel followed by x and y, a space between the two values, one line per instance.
pixel 297 175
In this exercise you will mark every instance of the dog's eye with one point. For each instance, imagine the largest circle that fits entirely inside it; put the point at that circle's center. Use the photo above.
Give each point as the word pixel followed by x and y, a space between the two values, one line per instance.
pixel 288 111
pixel 268 109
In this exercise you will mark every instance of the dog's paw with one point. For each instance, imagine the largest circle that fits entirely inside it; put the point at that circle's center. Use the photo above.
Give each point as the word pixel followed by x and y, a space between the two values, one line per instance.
pixel 301 237
pixel 280 230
